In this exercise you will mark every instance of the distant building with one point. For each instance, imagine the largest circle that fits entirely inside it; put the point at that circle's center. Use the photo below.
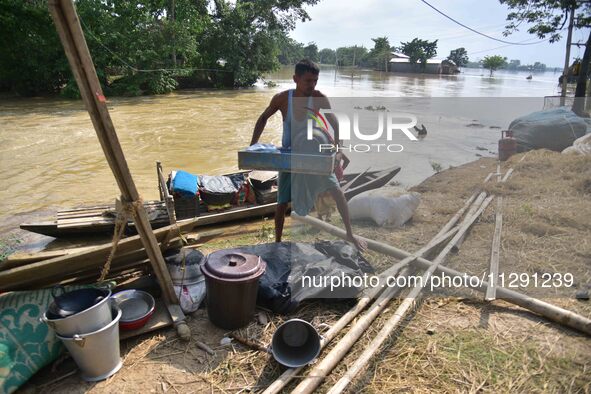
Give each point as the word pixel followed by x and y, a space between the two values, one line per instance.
pixel 401 63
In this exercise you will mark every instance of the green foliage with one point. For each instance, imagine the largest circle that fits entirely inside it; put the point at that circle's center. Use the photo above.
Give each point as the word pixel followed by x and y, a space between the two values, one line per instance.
pixel 380 54
pixel 459 56
pixel 494 62
pixel 311 52
pixel 351 56
pixel 290 51
pixel 474 64
pixel 546 17
pixel 419 51
pixel 144 83
pixel 515 64
pixel 32 61
pixel 327 56
pixel 147 42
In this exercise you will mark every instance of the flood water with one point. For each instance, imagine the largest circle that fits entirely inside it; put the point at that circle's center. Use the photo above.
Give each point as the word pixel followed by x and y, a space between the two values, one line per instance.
pixel 51 158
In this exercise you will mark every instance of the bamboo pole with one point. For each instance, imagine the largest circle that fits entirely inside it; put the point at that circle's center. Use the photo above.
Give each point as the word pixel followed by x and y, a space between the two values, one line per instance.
pixel 408 303
pixel 542 308
pixel 322 369
pixel 290 373
pixel 491 289
pixel 477 203
pixel 446 231
pixel 72 38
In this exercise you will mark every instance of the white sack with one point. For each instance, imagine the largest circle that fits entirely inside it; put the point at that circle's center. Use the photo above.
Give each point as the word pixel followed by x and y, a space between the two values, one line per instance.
pixel 386 206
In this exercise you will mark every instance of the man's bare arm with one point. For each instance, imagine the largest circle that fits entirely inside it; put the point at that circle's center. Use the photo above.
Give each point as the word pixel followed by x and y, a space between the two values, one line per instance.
pixel 262 121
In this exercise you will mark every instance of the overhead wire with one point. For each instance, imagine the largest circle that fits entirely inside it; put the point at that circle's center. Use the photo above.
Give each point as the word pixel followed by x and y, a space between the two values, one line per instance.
pixel 476 31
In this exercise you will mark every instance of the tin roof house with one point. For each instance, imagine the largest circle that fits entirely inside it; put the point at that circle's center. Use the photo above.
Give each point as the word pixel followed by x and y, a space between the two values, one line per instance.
pixel 401 63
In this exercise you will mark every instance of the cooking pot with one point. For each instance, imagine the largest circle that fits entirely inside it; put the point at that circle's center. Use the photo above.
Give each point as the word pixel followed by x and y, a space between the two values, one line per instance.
pixel 87 319
pixel 71 302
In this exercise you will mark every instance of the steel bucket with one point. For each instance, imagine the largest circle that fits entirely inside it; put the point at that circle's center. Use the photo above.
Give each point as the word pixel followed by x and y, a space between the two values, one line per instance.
pixel 295 343
pixel 97 353
pixel 89 320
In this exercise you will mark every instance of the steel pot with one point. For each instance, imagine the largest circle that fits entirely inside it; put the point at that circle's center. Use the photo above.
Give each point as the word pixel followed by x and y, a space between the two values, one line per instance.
pixel 88 320
pixel 71 302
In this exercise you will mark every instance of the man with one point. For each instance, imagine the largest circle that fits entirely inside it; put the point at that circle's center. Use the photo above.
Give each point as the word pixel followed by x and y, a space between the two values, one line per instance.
pixel 294 114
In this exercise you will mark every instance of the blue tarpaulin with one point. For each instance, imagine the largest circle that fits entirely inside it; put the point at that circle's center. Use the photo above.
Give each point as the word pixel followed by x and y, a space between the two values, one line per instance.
pixel 185 183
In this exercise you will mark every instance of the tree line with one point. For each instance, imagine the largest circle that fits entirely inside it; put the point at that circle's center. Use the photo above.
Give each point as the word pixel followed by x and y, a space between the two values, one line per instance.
pixel 378 57
pixel 156 46
pixel 147 46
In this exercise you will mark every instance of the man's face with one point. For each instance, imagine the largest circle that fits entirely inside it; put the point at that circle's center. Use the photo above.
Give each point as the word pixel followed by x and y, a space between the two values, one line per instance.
pixel 306 83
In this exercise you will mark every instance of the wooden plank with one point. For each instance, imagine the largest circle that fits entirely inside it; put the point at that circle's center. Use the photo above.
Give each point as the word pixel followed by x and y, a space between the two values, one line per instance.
pixel 89 220
pixel 16 278
pixel 80 214
pixel 94 207
pixel 107 208
pixel 160 319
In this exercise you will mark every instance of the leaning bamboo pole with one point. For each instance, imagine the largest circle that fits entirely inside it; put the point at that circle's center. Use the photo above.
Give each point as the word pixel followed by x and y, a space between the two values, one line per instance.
pixel 446 231
pixel 542 308
pixel 323 368
pixel 72 38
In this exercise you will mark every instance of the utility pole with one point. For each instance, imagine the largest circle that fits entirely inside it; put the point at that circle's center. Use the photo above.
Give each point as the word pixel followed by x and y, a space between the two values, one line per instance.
pixel 567 58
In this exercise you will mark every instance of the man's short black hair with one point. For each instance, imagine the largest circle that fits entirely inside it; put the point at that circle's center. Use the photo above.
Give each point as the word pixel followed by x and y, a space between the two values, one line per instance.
pixel 306 66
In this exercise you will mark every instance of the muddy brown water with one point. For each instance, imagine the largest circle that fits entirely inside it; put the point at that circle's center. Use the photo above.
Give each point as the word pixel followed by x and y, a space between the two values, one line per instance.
pixel 51 158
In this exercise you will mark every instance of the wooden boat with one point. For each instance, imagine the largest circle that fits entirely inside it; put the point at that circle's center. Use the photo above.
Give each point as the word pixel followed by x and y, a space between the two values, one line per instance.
pixel 101 219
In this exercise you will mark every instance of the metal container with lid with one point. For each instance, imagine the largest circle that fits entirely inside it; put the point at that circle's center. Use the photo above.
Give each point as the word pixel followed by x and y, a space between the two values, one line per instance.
pixel 232 281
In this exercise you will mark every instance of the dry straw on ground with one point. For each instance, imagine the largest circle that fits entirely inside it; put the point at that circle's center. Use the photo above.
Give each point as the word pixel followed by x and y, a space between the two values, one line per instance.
pixel 454 341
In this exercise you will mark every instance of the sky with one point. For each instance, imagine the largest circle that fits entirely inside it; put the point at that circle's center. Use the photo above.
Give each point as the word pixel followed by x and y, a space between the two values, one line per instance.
pixel 337 23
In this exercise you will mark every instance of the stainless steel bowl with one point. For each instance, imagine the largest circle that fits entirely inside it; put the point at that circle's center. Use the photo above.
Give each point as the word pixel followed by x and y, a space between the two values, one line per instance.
pixel 136 306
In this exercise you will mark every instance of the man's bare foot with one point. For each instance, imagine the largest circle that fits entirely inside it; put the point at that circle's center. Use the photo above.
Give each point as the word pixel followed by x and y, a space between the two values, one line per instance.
pixel 360 244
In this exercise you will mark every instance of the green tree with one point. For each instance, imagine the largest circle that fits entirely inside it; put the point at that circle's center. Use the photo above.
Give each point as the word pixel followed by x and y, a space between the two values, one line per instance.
pixel 144 46
pixel 290 51
pixel 245 35
pixel 514 64
pixel 548 18
pixel 326 56
pixel 419 51
pixel 351 56
pixel 474 64
pixel 311 51
pixel 494 62
pixel 459 56
pixel 380 54
pixel 539 67
pixel 545 17
pixel 31 58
